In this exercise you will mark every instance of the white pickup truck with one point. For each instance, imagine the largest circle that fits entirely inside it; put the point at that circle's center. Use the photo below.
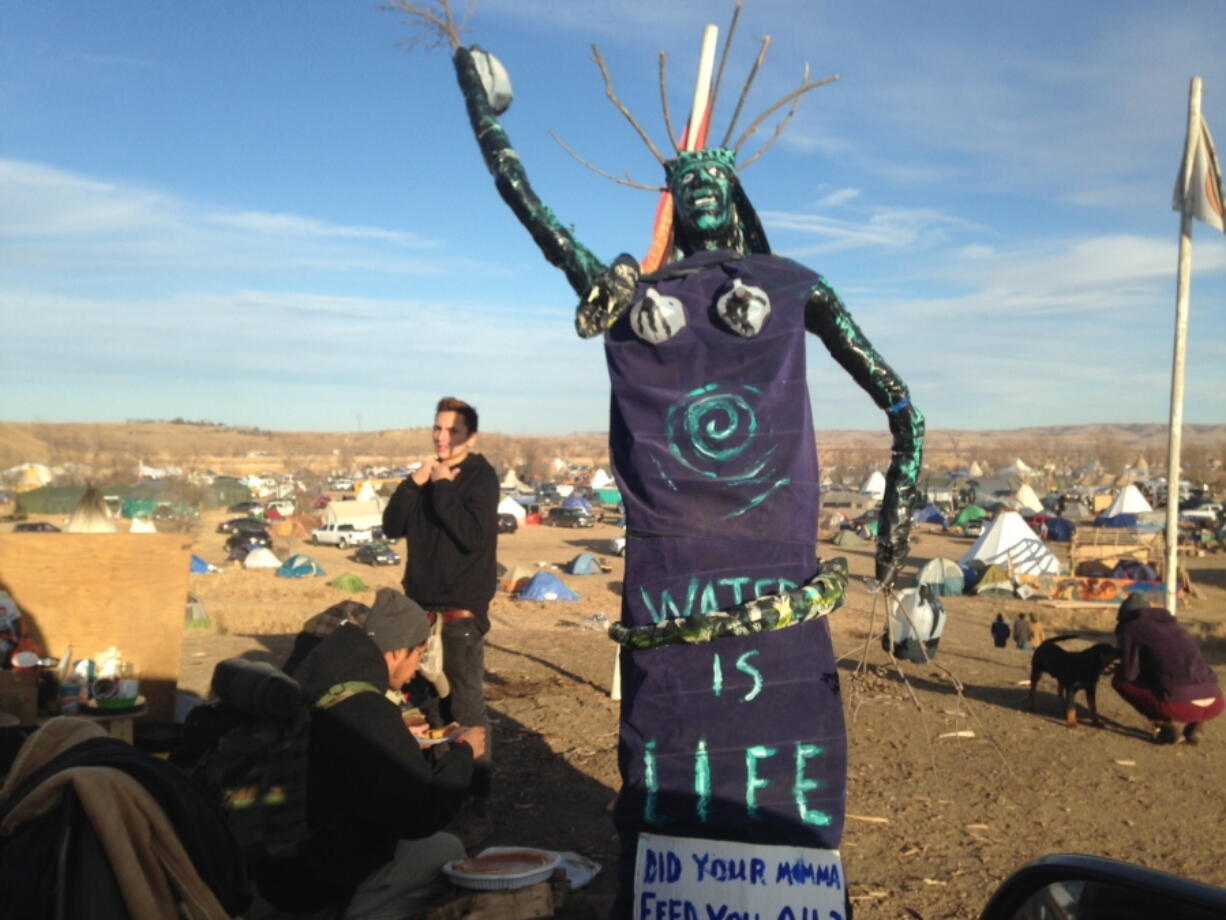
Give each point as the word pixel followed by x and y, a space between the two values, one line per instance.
pixel 342 535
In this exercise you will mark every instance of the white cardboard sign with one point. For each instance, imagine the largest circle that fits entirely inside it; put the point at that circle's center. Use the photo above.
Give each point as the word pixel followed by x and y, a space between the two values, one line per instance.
pixel 683 878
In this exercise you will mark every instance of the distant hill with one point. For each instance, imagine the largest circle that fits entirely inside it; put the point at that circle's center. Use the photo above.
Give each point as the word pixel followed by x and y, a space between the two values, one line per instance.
pixel 207 446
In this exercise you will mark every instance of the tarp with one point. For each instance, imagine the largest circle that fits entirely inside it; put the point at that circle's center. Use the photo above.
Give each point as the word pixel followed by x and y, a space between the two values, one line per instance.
pixel 942 576
pixel 929 515
pixel 299 565
pixel 576 502
pixel 1008 540
pixel 199 567
pixel 1060 529
pixel 261 558
pixel 1123 521
pixel 545 586
pixel 1129 501
pixel 348 582
pixel 584 564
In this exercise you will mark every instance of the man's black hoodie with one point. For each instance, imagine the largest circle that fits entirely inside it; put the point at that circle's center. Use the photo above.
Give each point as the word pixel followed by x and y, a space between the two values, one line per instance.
pixel 369 785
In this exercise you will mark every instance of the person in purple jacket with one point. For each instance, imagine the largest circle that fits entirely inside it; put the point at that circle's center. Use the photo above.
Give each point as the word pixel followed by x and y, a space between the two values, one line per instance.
pixel 1162 673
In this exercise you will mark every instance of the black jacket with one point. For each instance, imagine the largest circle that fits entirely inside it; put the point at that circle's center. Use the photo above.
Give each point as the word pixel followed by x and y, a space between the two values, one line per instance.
pixel 369 785
pixel 1158 653
pixel 452 529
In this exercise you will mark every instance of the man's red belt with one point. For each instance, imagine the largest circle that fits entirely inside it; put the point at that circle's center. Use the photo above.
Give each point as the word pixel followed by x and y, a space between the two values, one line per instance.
pixel 450 616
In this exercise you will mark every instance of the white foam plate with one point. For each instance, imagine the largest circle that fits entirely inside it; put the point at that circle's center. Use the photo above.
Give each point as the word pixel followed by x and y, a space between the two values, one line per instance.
pixel 512 875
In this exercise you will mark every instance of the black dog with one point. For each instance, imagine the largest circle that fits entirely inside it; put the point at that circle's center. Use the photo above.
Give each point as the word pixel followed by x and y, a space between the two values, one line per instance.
pixel 1073 671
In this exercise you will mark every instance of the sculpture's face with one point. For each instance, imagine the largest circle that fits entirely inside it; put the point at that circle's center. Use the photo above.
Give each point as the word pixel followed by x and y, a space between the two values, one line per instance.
pixel 702 193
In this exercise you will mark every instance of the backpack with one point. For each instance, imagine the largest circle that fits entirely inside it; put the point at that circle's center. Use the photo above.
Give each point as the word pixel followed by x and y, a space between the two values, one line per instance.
pixel 255 749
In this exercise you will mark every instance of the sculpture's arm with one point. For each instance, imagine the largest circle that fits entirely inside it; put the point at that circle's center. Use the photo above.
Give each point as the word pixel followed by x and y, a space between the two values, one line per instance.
pixel 556 241
pixel 827 318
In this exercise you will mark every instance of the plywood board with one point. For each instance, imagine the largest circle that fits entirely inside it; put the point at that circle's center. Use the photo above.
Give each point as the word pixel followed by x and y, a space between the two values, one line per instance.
pixel 94 591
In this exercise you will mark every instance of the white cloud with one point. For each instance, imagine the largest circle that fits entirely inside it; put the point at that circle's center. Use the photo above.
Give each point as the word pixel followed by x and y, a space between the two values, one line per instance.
pixel 887 228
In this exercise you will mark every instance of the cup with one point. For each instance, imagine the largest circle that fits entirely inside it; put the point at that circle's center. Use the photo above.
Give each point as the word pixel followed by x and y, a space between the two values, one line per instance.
pixel 129 688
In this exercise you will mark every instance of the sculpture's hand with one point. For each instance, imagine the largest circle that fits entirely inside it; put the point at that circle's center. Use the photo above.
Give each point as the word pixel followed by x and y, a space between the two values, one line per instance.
pixel 608 297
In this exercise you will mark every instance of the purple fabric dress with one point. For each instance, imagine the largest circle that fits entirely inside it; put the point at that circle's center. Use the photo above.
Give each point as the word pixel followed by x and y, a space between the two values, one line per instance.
pixel 713 448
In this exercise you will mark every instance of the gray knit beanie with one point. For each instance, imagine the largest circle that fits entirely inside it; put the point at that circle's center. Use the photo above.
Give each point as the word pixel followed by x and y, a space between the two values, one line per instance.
pixel 396 622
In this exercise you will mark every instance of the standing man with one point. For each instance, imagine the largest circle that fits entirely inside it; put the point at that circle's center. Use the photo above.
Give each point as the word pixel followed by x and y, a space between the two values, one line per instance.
pixel 448 511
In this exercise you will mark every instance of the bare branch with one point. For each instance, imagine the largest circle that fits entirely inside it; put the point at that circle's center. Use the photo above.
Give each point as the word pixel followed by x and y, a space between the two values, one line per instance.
pixel 668 118
pixel 608 89
pixel 723 58
pixel 436 22
pixel 778 128
pixel 627 181
pixel 753 73
pixel 794 94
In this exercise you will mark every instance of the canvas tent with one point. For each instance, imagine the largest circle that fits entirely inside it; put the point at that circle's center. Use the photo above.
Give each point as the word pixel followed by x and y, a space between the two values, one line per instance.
pixel 602 480
pixel 545 586
pixel 994 581
pixel 510 506
pixel 1010 542
pixel 261 558
pixel 1129 501
pixel 142 525
pixel 1027 498
pixel 874 485
pixel 91 515
pixel 942 576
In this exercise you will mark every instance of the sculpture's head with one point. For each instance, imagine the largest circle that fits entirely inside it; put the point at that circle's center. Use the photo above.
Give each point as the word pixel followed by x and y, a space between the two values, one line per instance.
pixel 712 209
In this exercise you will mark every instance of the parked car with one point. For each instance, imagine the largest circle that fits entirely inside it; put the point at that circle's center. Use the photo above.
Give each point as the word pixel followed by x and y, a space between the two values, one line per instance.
pixel 234 525
pixel 569 517
pixel 283 506
pixel 35 527
pixel 248 538
pixel 1207 512
pixel 617 546
pixel 377 553
pixel 249 507
pixel 342 535
pixel 507 523
pixel 973 528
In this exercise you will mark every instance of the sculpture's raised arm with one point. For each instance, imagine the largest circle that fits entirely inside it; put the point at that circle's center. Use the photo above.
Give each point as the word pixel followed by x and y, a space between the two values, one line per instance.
pixel 827 318
pixel 556 241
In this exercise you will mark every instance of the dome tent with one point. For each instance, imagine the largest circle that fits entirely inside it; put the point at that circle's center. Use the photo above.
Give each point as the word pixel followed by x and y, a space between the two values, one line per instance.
pixel 545 586
pixel 299 565
pixel 261 558
pixel 584 564
pixel 942 576
pixel 576 501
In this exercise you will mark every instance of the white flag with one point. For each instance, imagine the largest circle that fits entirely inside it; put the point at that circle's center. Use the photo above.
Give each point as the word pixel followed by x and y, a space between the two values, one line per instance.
pixel 1200 179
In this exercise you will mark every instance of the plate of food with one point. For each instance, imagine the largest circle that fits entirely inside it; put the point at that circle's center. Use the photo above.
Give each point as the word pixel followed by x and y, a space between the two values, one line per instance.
pixel 502 868
pixel 428 737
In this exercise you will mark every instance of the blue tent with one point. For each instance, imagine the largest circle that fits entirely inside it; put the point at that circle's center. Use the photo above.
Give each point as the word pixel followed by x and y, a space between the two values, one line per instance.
pixel 584 564
pixel 1060 529
pixel 199 566
pixel 930 515
pixel 574 501
pixel 299 566
pixel 545 586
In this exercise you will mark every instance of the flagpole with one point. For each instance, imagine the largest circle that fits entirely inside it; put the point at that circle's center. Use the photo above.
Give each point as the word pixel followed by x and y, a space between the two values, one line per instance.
pixel 1175 443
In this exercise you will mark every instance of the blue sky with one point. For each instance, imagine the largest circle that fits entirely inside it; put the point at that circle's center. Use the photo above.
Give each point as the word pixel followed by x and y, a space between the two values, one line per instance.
pixel 274 213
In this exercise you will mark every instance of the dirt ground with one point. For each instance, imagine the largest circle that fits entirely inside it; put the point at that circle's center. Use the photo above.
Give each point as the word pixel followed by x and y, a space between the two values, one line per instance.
pixel 935 823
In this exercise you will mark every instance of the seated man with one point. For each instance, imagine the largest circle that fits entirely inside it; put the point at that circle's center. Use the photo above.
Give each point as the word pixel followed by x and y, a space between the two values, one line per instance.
pixel 1161 671
pixel 375 804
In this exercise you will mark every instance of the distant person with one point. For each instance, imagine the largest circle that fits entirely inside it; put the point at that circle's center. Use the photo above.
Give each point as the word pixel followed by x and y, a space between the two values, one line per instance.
pixel 375 806
pixel 1000 631
pixel 1162 673
pixel 448 511
pixel 1037 631
pixel 1022 633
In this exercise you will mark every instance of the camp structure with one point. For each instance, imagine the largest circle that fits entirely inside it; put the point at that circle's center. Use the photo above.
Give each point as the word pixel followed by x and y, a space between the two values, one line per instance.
pixel 1027 498
pixel 199 567
pixel 602 480
pixel 915 624
pixel 299 565
pixel 545 586
pixel 993 581
pixel 968 514
pixel 1018 467
pixel 349 583
pixel 1010 542
pixel 576 501
pixel 91 515
pixel 584 564
pixel 142 525
pixel 874 485
pixel 942 576
pixel 511 483
pixel 1128 501
pixel 28 476
pixel 513 581
pixel 510 506
pixel 1077 511
pixel 848 537
pixel 261 558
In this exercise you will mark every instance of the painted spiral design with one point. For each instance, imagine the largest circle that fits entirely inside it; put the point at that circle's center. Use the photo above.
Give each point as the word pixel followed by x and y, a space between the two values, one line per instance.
pixel 715 432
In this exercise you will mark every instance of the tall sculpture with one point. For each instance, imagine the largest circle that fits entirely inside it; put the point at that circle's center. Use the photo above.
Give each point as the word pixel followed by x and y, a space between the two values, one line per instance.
pixel 731 722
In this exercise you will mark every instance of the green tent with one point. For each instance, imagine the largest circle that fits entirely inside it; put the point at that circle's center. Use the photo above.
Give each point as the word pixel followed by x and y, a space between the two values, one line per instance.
pixel 348 582
pixel 50 500
pixel 968 514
